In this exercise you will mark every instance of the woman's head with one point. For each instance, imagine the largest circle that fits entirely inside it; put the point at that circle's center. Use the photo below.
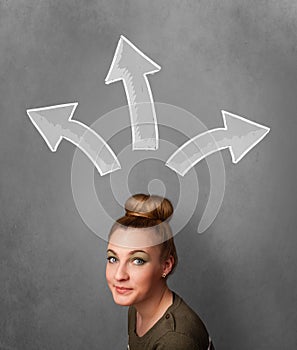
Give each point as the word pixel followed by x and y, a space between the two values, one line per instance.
pixel 150 213
pixel 141 250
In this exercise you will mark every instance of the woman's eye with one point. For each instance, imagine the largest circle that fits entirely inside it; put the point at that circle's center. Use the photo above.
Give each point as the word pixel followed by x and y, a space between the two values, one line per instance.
pixel 111 259
pixel 138 261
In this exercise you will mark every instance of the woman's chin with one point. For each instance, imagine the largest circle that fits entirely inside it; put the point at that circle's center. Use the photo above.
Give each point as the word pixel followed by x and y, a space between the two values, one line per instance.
pixel 122 300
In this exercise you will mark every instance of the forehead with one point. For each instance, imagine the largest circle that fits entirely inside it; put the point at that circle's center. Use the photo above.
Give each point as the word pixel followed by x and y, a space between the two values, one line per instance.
pixel 135 238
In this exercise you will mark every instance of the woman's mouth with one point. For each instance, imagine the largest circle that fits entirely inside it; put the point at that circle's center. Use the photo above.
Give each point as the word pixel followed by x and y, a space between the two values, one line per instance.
pixel 122 290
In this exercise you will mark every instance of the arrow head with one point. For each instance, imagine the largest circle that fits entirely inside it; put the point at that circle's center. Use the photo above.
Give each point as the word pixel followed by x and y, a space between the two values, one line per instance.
pixel 244 134
pixel 128 58
pixel 51 121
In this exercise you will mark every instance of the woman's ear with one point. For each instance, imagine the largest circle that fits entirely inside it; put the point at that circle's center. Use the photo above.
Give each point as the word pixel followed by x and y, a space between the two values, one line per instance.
pixel 168 264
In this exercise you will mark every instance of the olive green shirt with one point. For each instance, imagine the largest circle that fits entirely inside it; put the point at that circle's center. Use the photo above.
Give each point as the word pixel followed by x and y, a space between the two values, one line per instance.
pixel 180 328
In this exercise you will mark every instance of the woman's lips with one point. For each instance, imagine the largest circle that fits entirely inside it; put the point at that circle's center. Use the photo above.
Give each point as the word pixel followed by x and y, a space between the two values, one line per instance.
pixel 122 290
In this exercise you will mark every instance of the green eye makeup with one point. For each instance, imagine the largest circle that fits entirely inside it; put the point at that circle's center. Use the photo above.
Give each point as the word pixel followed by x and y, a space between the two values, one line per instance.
pixel 138 257
pixel 139 261
pixel 109 258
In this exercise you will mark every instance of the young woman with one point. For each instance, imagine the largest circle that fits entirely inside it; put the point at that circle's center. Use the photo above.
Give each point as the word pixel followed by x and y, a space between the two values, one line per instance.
pixel 140 256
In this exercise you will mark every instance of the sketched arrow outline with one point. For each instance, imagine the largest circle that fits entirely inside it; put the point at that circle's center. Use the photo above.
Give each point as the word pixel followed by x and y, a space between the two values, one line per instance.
pixel 210 141
pixel 55 123
pixel 132 66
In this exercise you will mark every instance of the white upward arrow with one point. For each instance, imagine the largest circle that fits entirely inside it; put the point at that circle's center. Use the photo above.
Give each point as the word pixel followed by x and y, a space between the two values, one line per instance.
pixel 131 66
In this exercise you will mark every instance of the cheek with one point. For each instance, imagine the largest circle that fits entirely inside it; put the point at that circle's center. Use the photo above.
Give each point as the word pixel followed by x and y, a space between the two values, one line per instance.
pixel 146 277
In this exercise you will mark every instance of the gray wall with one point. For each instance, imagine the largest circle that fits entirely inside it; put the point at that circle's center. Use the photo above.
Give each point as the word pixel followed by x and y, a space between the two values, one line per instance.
pixel 240 275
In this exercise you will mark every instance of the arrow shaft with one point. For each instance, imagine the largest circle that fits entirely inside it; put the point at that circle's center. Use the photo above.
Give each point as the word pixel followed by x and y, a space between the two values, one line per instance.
pixel 198 148
pixel 142 111
pixel 92 144
pixel 137 87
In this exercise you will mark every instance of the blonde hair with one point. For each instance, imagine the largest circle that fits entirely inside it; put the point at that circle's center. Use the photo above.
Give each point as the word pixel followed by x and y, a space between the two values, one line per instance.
pixel 143 211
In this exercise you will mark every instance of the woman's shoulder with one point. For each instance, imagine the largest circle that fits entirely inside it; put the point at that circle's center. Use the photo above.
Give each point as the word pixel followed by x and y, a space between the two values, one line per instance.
pixel 180 328
pixel 187 323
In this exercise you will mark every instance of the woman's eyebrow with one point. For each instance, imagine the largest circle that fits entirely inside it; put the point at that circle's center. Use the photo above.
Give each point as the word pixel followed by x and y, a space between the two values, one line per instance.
pixel 130 253
pixel 137 251
pixel 111 251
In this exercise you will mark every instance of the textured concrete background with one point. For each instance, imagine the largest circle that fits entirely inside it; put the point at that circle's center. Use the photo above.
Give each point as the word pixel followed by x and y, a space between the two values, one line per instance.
pixel 241 275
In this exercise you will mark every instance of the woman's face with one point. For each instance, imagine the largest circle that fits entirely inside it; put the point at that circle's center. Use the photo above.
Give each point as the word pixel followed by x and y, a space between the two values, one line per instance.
pixel 133 274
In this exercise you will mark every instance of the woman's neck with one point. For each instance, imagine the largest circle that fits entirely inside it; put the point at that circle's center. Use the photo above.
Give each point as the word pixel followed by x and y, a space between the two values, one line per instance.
pixel 151 310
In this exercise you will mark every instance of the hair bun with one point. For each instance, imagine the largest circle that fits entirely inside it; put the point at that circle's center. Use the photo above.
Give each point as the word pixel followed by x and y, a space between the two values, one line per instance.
pixel 152 207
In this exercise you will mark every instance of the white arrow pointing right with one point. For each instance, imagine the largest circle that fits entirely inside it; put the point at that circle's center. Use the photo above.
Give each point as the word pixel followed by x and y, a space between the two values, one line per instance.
pixel 240 135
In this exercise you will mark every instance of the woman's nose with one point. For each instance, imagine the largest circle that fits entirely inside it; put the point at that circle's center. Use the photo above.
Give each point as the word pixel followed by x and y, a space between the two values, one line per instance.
pixel 121 272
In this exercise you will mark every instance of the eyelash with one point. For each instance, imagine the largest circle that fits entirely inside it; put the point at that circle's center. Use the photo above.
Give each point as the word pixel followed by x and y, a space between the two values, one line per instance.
pixel 112 257
pixel 109 258
pixel 142 261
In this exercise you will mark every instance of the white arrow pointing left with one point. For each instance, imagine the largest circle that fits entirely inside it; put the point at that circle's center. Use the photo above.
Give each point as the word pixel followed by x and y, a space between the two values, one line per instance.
pixel 55 123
